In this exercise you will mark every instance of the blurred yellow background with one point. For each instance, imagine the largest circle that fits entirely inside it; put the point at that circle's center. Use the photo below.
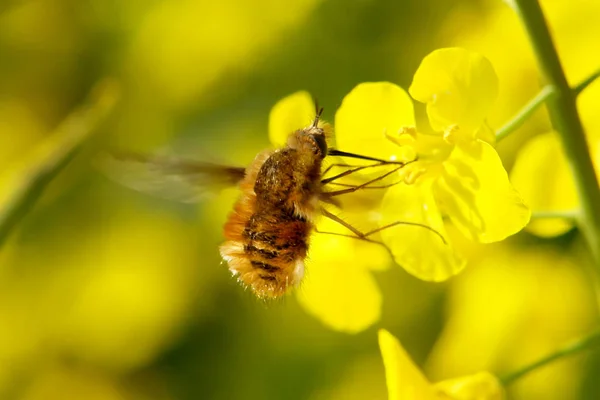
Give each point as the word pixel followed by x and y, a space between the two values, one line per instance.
pixel 109 294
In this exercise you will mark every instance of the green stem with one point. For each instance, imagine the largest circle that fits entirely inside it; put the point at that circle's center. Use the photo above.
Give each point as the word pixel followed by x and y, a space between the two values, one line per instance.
pixel 28 181
pixel 525 113
pixel 566 214
pixel 566 121
pixel 584 343
pixel 586 82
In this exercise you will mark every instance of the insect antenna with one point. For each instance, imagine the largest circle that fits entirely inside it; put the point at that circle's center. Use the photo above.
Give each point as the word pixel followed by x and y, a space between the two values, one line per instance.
pixel 318 113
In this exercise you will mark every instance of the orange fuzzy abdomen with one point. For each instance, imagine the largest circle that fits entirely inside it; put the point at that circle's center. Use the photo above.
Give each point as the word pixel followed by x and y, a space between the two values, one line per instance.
pixel 266 237
pixel 266 249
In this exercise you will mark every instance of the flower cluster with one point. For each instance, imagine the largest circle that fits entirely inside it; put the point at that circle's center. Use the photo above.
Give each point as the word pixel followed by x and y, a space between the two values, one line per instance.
pixel 457 177
pixel 406 382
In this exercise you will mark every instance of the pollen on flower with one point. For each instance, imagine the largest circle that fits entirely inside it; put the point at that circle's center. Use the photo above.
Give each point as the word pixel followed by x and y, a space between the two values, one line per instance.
pixel 402 138
pixel 415 174
pixel 405 138
pixel 408 130
pixel 411 173
pixel 451 134
pixel 406 135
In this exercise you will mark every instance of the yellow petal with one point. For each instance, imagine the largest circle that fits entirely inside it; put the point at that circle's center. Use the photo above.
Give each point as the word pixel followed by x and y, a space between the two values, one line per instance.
pixel 338 288
pixel 404 380
pixel 367 113
pixel 458 86
pixel 372 256
pixel 487 134
pixel 344 298
pixel 477 196
pixel 480 386
pixel 524 310
pixel 542 175
pixel 289 114
pixel 419 250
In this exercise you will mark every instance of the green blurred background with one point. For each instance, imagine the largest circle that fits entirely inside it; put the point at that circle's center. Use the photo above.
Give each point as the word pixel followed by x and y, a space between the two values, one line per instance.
pixel 109 294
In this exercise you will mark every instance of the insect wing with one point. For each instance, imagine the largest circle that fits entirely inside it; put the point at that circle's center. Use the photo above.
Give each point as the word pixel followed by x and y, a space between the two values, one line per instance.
pixel 175 179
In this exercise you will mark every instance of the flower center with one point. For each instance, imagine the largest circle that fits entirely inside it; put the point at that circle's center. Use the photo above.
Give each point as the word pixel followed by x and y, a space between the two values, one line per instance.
pixel 429 150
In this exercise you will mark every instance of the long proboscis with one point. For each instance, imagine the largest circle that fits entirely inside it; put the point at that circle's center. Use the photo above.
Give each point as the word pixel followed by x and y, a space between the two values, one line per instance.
pixel 336 152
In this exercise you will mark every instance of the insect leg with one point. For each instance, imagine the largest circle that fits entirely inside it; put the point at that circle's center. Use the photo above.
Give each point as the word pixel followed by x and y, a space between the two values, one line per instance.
pixel 357 234
pixel 361 186
pixel 337 165
pixel 345 173
pixel 350 236
pixel 364 236
pixel 407 223
pixel 366 187
pixel 340 221
pixel 357 168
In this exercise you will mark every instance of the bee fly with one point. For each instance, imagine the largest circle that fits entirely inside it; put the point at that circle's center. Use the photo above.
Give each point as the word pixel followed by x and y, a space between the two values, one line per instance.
pixel 281 191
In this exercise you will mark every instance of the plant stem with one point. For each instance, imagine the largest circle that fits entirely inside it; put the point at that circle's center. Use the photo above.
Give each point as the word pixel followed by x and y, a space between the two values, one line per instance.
pixel 586 82
pixel 525 113
pixel 566 214
pixel 29 180
pixel 584 343
pixel 566 121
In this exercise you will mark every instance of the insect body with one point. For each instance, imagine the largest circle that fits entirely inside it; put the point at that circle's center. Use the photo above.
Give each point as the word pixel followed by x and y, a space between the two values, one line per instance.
pixel 281 190
pixel 267 233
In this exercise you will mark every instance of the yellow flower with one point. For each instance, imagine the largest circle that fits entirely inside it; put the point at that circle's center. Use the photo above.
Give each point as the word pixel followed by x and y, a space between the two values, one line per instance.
pixel 513 307
pixel 540 173
pixel 338 288
pixel 406 382
pixel 458 175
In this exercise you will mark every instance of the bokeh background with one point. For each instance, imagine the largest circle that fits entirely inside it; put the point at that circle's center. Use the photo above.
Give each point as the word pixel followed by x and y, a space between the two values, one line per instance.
pixel 109 294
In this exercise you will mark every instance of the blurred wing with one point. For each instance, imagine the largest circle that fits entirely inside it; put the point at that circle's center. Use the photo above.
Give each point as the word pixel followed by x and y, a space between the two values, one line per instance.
pixel 169 178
